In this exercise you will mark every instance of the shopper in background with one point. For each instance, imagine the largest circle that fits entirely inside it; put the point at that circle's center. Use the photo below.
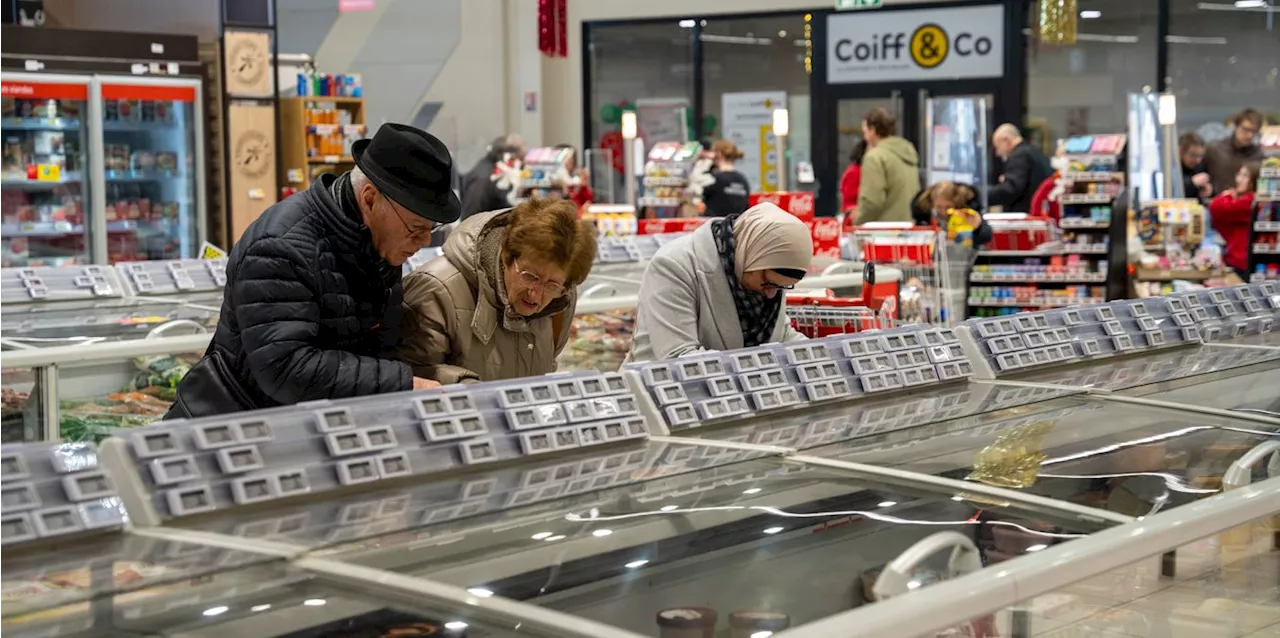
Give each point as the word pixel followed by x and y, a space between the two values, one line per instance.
pixel 937 203
pixel 1025 168
pixel 499 301
pixel 729 193
pixel 722 286
pixel 479 190
pixel 1223 158
pixel 311 308
pixel 1195 180
pixel 580 195
pixel 851 180
pixel 1231 214
pixel 890 171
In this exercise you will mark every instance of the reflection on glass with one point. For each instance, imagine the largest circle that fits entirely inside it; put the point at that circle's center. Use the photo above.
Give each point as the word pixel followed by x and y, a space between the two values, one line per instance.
pixel 21 417
pixel 44 174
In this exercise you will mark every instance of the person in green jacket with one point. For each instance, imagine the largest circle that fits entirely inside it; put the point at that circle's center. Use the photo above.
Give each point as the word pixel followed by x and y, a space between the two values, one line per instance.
pixel 890 171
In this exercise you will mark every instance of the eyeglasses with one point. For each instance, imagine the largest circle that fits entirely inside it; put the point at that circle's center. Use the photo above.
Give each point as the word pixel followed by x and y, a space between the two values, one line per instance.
pixel 769 285
pixel 419 234
pixel 534 281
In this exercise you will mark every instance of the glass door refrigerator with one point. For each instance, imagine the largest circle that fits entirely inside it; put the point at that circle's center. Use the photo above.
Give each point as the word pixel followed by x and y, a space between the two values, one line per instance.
pixel 46 182
pixel 151 175
pixel 101 168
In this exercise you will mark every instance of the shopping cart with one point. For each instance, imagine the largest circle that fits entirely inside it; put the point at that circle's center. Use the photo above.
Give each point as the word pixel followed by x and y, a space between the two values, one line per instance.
pixel 821 314
pixel 933 270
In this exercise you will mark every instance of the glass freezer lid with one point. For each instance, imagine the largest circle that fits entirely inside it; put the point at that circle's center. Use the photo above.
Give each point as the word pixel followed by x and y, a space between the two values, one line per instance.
pixel 1201 364
pixel 117 565
pixel 466 506
pixel 271 600
pixel 758 536
pixel 1128 459
pixel 76 322
pixel 1255 389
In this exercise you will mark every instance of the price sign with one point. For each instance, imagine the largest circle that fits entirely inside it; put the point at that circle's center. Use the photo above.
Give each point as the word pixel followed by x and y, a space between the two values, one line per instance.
pixel 48 172
pixel 209 251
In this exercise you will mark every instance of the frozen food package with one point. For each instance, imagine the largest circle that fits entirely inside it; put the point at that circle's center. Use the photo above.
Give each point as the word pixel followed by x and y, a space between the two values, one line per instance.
pixel 687 622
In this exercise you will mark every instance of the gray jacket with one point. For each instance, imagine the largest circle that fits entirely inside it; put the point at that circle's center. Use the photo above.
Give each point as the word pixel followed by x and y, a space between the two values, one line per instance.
pixel 686 305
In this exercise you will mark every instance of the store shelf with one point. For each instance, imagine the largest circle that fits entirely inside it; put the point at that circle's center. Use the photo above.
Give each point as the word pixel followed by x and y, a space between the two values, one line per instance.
pixel 1069 199
pixel 39 124
pixel 331 159
pixel 1094 176
pixel 1156 274
pixel 1266 249
pixel 20 181
pixel 1044 302
pixel 1267 227
pixel 1070 249
pixel 1077 223
pixel 144 176
pixel 1064 278
pixel 41 229
pixel 336 99
pixel 665 181
pixel 661 201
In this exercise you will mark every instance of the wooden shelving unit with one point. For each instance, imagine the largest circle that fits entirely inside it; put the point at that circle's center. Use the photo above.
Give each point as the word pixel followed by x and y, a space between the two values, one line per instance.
pixel 301 159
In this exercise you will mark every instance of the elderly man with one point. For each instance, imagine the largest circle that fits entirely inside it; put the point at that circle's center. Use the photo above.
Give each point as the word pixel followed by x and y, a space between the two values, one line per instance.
pixel 313 298
pixel 1025 167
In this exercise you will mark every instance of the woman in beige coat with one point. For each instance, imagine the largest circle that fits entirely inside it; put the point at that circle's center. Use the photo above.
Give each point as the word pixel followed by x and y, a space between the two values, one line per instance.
pixel 499 302
pixel 722 287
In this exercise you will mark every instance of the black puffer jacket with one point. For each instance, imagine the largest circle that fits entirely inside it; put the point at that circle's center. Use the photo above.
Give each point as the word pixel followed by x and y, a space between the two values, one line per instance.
pixel 310 311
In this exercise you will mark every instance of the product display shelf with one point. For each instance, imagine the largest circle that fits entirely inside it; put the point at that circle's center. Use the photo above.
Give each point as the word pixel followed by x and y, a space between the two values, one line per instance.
pixel 316 134
pixel 1024 267
pixel 545 172
pixel 1170 235
pixel 1264 238
pixel 668 180
pixel 707 522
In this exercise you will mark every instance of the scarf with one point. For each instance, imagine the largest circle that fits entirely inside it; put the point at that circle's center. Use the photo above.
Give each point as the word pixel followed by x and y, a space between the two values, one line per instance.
pixel 757 314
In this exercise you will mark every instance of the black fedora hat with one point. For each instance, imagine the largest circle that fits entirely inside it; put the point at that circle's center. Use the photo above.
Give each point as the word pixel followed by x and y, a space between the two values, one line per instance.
pixel 413 168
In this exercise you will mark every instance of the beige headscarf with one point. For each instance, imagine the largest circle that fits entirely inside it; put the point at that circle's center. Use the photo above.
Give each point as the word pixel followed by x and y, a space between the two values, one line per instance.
pixel 766 237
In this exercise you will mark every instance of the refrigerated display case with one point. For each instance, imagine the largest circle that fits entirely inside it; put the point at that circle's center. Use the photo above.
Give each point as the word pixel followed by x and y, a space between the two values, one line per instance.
pixel 102 168
pixel 763 522
pixel 46 179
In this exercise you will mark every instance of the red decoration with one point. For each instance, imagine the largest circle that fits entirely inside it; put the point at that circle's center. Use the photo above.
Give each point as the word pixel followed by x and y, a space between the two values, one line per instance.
pixel 612 140
pixel 553 28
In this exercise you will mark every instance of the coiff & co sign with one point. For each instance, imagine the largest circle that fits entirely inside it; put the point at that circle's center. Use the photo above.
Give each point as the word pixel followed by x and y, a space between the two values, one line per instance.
pixel 932 44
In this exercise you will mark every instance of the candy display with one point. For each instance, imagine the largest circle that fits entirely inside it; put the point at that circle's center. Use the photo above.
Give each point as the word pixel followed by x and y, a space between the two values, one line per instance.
pixel 331 131
pixel 1264 244
pixel 544 172
pixel 989 301
pixel 672 180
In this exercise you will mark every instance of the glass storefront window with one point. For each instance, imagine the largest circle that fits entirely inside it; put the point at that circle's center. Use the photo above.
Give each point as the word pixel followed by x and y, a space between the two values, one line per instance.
pixel 1222 59
pixel 750 67
pixel 1080 89
pixel 646 66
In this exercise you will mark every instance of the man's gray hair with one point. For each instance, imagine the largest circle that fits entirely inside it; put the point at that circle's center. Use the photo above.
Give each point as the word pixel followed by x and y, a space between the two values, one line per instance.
pixel 1008 131
pixel 358 179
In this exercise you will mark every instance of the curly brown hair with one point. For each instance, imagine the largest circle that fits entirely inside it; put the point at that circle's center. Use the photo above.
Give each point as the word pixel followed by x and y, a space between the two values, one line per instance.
pixel 549 230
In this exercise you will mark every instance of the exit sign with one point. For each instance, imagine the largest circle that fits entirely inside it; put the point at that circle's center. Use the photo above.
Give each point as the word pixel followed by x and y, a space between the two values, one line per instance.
pixel 846 5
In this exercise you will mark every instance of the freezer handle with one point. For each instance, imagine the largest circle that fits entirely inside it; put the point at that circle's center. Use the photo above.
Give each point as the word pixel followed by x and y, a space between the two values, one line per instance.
pixel 1240 473
pixel 164 328
pixel 895 580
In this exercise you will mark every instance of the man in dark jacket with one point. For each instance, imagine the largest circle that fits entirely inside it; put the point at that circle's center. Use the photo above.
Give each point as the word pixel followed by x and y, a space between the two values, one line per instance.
pixel 1025 167
pixel 480 193
pixel 311 308
pixel 1195 180
pixel 1223 158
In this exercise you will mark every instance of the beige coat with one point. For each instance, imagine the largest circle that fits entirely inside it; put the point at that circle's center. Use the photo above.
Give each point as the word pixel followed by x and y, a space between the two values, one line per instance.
pixel 454 328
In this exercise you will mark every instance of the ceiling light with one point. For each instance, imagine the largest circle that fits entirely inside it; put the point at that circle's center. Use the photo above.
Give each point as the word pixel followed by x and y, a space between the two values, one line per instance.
pixel 669 508
pixel 1036 548
pixel 557 537
pixel 957 497
pixel 762 634
pixel 601 533
pixel 687 24
pixel 1251 4
pixel 782 34
pixel 541 535
pixel 258 608
pixel 887 503
pixel 216 611
pixel 480 592
pixel 314 602
pixel 456 625
pixel 637 563
pixel 1090 14
pixel 772 530
pixel 754 490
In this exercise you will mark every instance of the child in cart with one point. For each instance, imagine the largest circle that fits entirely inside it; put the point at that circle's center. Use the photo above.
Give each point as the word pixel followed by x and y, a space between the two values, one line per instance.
pixel 954 207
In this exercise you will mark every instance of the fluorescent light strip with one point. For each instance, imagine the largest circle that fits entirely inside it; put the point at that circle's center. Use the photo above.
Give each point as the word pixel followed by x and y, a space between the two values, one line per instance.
pixel 735 39
pixel 1188 39
pixel 1213 6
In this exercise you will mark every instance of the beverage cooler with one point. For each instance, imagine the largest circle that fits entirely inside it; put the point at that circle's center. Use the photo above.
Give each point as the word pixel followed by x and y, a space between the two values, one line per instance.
pixel 103 160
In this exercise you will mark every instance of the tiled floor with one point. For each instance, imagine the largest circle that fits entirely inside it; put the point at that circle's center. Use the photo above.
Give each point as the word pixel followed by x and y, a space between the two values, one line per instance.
pixel 1227 586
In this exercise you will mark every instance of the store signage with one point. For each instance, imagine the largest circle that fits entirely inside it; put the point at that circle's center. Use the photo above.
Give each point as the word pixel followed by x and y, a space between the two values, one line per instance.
pixel 937 44
pixel 748 123
pixel 847 5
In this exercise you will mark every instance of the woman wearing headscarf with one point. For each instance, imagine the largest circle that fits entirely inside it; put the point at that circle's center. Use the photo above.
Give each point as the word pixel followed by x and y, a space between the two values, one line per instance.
pixel 499 302
pixel 722 286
